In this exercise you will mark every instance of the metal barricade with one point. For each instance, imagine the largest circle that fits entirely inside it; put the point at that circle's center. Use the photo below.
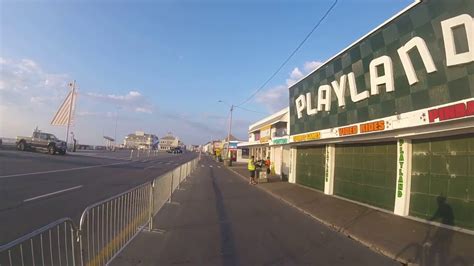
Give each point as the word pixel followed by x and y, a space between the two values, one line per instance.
pixel 53 244
pixel 106 227
pixel 162 186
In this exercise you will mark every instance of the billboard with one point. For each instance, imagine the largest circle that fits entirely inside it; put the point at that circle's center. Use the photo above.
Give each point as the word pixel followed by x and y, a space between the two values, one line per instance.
pixel 414 70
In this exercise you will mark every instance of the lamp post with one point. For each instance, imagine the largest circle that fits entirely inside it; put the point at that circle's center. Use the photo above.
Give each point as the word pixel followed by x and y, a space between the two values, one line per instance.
pixel 229 132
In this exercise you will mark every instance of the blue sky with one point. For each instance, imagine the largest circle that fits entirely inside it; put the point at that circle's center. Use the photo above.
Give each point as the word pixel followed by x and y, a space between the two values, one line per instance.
pixel 161 66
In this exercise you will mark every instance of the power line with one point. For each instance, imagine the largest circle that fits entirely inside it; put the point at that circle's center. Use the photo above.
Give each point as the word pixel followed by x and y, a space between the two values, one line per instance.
pixel 248 110
pixel 292 53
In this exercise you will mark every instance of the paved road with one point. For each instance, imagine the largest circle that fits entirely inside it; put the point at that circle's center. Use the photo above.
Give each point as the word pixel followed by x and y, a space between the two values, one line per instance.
pixel 218 219
pixel 37 188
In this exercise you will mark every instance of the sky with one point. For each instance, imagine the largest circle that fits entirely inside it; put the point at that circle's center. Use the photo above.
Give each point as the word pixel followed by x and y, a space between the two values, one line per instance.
pixel 163 66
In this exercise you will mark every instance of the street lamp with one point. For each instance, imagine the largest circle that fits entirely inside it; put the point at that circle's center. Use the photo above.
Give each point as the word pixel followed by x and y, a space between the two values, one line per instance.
pixel 230 131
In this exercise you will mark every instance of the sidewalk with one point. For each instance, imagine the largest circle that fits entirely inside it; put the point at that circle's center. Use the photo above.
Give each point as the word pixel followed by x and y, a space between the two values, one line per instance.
pixel 217 218
pixel 403 239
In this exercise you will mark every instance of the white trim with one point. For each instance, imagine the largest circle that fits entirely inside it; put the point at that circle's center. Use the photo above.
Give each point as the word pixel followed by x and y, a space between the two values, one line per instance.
pixel 330 164
pixel 403 184
pixel 263 122
pixel 403 125
pixel 292 174
pixel 360 39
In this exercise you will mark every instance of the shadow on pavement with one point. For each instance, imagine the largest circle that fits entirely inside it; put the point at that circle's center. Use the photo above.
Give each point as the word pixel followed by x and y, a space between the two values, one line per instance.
pixel 435 248
pixel 228 251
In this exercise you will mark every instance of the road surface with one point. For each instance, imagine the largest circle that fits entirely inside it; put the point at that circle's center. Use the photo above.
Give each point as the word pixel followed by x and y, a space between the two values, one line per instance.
pixel 37 188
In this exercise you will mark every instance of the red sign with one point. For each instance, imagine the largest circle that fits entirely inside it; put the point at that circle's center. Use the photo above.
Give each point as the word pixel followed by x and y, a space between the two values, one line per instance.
pixel 451 112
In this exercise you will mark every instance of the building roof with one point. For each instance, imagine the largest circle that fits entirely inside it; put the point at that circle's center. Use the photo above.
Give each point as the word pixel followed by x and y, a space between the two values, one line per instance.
pixel 170 137
pixel 280 116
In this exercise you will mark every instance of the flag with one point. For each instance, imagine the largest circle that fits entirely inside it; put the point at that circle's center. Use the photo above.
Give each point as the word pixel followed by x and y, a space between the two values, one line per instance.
pixel 65 113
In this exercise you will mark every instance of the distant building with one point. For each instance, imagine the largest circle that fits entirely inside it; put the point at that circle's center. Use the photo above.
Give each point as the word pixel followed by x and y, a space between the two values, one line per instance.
pixel 141 140
pixel 169 142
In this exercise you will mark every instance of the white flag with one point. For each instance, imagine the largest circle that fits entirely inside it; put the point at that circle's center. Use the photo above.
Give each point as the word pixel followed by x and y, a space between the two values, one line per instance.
pixel 64 115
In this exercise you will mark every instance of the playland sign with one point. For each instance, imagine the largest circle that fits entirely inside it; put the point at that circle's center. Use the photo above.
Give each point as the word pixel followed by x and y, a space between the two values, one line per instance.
pixel 419 60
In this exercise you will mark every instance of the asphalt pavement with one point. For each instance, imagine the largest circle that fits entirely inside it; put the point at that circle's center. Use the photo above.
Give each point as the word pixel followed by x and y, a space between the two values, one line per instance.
pixel 37 188
pixel 217 218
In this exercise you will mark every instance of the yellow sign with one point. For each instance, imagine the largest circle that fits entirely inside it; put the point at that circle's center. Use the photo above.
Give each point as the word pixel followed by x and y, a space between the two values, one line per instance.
pixel 264 139
pixel 306 137
pixel 266 128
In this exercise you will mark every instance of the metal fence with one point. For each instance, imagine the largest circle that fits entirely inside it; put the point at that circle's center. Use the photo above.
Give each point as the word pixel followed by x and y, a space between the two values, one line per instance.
pixel 105 227
pixel 53 244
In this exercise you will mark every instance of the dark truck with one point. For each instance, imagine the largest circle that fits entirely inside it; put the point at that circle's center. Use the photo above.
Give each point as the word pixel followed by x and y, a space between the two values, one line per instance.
pixel 41 141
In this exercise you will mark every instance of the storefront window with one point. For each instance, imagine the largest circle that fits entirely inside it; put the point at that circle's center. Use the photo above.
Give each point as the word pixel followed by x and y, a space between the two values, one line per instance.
pixel 245 153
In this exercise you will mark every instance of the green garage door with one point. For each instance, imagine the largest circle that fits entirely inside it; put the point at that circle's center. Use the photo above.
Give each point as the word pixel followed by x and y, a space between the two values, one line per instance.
pixel 310 167
pixel 367 173
pixel 442 181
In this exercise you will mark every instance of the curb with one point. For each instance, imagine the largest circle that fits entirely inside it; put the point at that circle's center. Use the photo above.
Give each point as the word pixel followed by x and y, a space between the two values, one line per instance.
pixel 332 226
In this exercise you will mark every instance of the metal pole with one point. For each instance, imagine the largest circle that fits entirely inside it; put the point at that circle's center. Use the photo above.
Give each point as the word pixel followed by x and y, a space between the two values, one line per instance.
pixel 115 132
pixel 70 111
pixel 228 136
pixel 150 221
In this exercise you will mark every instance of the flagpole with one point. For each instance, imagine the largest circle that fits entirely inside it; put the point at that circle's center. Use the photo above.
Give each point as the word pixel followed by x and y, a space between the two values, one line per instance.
pixel 70 111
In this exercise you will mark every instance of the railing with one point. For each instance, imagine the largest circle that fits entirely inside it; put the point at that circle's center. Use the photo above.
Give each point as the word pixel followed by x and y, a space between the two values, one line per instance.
pixel 105 227
pixel 53 244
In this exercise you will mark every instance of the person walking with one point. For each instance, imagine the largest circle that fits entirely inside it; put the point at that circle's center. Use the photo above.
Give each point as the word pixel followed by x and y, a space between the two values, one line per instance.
pixel 251 168
pixel 267 165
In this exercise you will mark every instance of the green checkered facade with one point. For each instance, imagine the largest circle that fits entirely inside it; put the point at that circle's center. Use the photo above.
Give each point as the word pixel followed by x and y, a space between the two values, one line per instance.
pixel 447 84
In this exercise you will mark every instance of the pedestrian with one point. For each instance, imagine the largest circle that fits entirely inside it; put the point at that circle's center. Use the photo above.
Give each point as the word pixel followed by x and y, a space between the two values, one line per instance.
pixel 251 168
pixel 267 165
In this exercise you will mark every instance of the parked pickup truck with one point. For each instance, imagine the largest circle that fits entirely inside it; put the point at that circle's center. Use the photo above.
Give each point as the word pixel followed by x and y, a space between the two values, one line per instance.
pixel 41 141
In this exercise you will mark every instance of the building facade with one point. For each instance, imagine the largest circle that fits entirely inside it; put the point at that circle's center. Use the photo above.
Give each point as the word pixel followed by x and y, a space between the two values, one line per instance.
pixel 268 138
pixel 389 121
pixel 169 142
pixel 140 140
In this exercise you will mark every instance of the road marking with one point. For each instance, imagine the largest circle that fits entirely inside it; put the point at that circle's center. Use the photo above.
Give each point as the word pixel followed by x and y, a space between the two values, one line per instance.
pixel 52 193
pixel 148 167
pixel 202 165
pixel 219 166
pixel 210 166
pixel 63 170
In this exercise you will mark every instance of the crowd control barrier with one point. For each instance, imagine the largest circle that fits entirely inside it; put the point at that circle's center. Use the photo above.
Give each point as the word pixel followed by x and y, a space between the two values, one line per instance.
pixel 105 227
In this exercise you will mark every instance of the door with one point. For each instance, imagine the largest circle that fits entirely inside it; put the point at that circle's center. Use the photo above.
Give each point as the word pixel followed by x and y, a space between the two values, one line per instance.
pixel 310 167
pixel 367 173
pixel 442 180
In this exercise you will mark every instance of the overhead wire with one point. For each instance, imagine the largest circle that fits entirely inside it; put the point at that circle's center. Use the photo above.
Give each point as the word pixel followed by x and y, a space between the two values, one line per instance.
pixel 292 53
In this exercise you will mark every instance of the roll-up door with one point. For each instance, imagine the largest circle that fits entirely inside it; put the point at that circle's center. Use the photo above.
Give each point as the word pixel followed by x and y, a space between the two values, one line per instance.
pixel 310 167
pixel 442 180
pixel 367 173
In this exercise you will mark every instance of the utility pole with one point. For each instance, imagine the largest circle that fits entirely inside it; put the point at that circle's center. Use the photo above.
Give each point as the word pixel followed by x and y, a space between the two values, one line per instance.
pixel 228 136
pixel 115 132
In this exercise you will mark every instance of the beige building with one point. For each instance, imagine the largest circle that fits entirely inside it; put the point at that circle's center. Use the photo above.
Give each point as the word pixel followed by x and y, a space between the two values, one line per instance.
pixel 268 138
pixel 169 142
pixel 140 140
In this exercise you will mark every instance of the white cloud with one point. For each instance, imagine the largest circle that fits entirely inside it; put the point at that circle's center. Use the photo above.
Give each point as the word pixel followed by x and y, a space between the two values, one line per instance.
pixel 25 78
pixel 311 65
pixel 295 75
pixel 143 110
pixel 133 100
pixel 276 98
